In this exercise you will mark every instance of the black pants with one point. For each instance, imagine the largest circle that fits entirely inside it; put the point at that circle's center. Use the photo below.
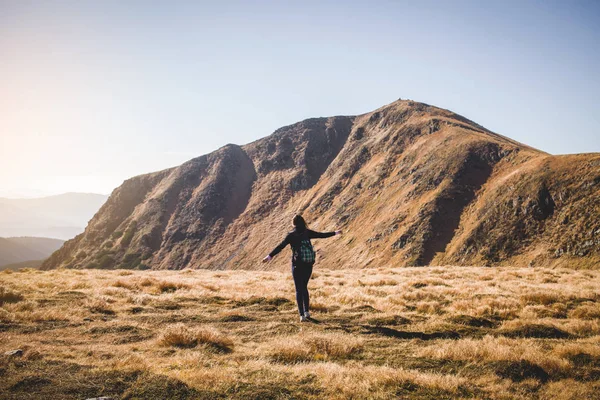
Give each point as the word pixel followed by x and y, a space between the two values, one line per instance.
pixel 301 273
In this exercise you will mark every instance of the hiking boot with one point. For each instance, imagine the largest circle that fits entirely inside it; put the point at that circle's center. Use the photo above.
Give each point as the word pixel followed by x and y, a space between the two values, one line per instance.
pixel 307 314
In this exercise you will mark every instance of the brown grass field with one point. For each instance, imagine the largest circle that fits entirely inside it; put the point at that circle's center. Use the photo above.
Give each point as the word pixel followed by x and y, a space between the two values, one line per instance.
pixel 413 333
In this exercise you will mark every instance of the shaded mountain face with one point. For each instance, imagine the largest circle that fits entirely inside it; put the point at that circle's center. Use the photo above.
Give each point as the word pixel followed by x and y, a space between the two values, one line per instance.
pixel 409 184
pixel 63 216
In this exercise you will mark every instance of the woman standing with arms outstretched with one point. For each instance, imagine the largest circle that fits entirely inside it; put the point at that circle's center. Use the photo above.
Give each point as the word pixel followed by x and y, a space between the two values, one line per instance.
pixel 303 258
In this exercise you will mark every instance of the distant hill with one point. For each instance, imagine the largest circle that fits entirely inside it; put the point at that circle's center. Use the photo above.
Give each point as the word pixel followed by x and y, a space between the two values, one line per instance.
pixel 62 216
pixel 22 265
pixel 20 249
pixel 409 183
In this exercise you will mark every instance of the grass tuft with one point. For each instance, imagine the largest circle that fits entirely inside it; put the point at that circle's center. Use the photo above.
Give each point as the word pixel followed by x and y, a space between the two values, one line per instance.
pixel 183 337
pixel 100 306
pixel 587 311
pixel 9 296
pixel 319 347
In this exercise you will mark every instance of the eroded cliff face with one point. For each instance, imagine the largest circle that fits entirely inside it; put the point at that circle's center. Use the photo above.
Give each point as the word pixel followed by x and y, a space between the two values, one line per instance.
pixel 410 184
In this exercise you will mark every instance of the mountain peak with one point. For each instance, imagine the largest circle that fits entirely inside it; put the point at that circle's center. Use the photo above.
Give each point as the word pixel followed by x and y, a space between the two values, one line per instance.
pixel 409 183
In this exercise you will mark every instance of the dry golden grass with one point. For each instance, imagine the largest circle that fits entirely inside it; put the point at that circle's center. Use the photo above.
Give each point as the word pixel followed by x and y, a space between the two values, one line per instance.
pixel 313 347
pixel 181 336
pixel 587 311
pixel 491 348
pixel 455 332
pixel 9 296
pixel 100 306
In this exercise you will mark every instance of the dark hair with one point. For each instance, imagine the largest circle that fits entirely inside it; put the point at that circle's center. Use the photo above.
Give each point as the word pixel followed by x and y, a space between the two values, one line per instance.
pixel 299 222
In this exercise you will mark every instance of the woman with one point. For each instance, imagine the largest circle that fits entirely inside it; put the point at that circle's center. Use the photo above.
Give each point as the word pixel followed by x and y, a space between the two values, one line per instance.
pixel 303 258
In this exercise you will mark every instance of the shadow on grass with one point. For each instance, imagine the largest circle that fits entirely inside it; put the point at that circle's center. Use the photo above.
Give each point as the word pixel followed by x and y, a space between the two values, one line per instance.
pixel 536 331
pixel 314 321
pixel 47 379
pixel 385 331
pixel 389 332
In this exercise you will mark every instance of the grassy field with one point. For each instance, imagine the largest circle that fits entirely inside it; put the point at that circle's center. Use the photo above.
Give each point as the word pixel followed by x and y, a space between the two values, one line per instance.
pixel 415 333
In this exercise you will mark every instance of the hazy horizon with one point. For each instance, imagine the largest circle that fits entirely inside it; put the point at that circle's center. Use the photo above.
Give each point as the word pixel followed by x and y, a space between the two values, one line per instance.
pixel 53 195
pixel 92 93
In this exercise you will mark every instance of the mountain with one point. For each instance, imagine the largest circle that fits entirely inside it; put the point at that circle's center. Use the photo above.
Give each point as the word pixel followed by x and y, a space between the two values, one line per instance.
pixel 62 216
pixel 22 265
pixel 20 249
pixel 409 184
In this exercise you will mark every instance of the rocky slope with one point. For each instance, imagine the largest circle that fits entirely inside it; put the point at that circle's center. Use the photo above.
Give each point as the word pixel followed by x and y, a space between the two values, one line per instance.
pixel 410 184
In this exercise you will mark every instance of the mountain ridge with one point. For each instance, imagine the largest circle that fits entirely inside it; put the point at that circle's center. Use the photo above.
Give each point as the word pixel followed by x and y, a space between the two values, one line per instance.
pixel 62 216
pixel 22 249
pixel 411 184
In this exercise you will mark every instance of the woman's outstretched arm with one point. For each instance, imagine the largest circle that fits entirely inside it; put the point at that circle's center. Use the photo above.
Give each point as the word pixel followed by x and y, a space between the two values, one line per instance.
pixel 277 249
pixel 322 235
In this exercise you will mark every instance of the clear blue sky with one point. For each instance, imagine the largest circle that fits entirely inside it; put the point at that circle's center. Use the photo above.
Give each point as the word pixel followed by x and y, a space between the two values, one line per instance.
pixel 93 92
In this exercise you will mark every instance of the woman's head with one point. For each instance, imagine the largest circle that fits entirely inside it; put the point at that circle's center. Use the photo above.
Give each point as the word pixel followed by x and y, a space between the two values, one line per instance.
pixel 299 222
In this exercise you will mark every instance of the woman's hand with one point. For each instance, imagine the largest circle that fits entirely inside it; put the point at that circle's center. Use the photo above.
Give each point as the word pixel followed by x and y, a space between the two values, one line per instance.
pixel 267 259
pixel 338 232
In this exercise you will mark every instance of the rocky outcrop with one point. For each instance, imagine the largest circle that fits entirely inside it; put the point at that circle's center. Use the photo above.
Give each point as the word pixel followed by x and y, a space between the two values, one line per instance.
pixel 410 184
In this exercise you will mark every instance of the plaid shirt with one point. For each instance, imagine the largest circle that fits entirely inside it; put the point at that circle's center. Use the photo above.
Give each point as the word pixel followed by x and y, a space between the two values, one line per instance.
pixel 306 253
